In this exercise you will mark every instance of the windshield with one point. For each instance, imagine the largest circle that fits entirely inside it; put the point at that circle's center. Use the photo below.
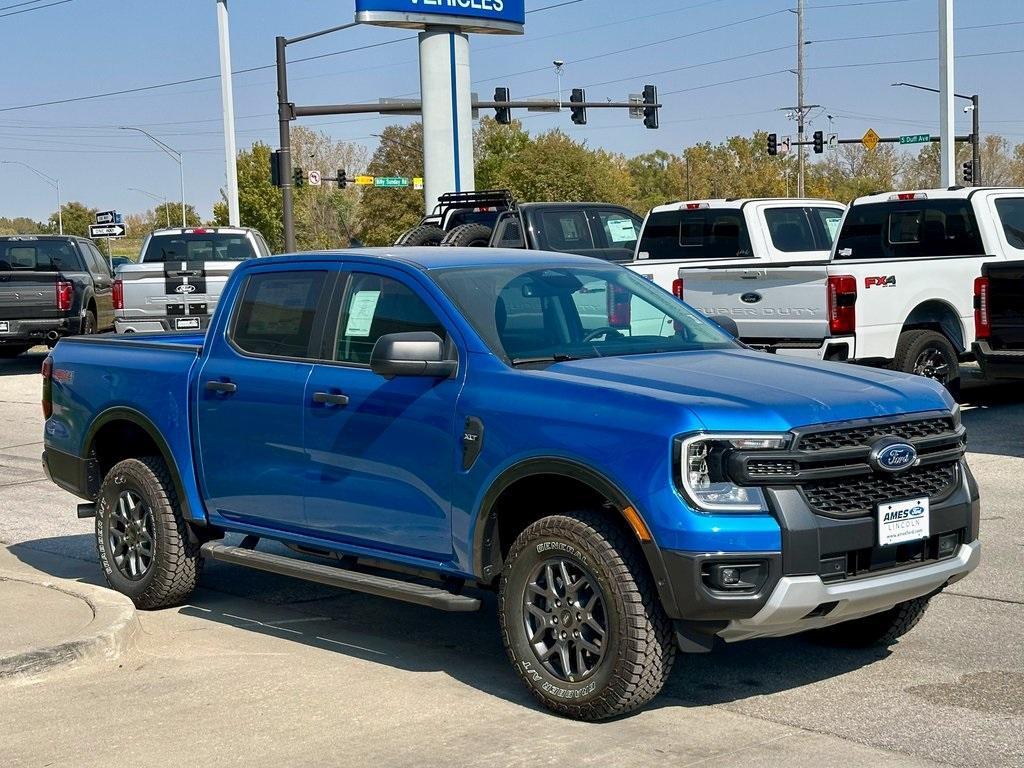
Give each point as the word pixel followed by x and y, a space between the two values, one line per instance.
pixel 208 246
pixel 538 314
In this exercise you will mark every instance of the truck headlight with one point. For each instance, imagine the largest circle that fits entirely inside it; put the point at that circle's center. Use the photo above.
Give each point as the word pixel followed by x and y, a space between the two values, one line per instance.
pixel 705 480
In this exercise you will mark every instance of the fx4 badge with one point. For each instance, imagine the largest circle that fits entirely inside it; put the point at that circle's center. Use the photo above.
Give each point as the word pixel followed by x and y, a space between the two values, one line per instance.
pixel 880 282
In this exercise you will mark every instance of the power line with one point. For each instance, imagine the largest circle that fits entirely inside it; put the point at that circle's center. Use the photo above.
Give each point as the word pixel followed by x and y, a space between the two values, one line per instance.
pixel 911 34
pixel 27 10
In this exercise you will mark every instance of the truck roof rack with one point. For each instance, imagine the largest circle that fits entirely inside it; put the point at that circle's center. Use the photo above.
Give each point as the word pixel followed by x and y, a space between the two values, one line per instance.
pixel 491 198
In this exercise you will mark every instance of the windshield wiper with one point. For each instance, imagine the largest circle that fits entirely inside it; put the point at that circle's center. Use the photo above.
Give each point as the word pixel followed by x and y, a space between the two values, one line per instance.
pixel 559 358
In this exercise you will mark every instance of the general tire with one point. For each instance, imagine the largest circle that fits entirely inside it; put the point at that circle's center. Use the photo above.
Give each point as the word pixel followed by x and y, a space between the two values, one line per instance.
pixel 175 563
pixel 880 629
pixel 425 234
pixel 640 646
pixel 931 354
pixel 468 236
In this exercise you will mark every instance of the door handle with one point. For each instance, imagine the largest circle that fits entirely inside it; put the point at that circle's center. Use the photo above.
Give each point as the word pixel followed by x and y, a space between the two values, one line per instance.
pixel 221 387
pixel 327 398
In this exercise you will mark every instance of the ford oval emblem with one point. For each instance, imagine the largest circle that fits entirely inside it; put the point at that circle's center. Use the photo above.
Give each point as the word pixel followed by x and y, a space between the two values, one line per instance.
pixel 185 288
pixel 751 298
pixel 893 456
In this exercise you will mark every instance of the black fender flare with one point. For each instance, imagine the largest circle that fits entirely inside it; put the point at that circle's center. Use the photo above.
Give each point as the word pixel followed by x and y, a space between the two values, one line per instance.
pixel 140 420
pixel 487 561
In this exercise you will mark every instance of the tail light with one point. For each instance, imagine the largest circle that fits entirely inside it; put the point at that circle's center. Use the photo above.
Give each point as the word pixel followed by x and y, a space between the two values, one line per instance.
pixel 118 294
pixel 842 305
pixel 678 288
pixel 620 309
pixel 982 319
pixel 47 372
pixel 65 295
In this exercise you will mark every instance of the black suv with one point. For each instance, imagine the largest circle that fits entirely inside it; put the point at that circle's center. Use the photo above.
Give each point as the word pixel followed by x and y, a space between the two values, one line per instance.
pixel 51 286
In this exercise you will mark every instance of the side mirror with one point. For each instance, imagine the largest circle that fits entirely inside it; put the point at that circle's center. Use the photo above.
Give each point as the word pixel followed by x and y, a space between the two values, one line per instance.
pixel 727 324
pixel 411 354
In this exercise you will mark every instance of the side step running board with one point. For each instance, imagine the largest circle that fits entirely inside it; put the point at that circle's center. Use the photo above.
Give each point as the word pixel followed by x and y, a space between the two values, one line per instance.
pixel 420 594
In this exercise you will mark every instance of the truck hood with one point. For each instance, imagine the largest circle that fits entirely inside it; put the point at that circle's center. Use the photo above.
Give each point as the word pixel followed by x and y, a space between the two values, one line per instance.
pixel 731 390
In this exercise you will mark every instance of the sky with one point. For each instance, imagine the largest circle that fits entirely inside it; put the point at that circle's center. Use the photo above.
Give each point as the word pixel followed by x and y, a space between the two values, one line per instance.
pixel 722 68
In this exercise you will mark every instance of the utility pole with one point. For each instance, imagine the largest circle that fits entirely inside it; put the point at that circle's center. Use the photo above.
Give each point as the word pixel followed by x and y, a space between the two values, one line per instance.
pixel 947 147
pixel 801 110
pixel 228 100
pixel 175 155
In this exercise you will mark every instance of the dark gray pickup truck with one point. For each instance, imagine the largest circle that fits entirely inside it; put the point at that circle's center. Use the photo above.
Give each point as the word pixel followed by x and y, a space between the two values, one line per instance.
pixel 999 320
pixel 51 287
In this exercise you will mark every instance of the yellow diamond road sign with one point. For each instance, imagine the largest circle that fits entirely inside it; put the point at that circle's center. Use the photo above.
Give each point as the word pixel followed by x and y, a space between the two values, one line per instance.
pixel 871 139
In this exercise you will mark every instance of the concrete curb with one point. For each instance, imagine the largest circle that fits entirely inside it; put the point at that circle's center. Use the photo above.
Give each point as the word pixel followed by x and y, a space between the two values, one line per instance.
pixel 107 636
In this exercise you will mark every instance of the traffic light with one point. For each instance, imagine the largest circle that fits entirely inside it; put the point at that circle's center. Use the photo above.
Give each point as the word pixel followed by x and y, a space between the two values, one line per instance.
pixel 299 178
pixel 503 114
pixel 579 114
pixel 342 179
pixel 275 168
pixel 651 107
pixel 969 172
pixel 819 142
pixel 773 144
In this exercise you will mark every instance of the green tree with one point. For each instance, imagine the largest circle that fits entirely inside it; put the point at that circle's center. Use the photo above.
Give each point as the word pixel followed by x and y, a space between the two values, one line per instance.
pixel 77 219
pixel 157 218
pixel 259 201
pixel 21 225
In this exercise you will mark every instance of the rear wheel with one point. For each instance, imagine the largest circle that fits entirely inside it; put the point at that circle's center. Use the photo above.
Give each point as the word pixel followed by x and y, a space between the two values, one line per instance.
pixel 468 236
pixel 425 234
pixel 581 620
pixel 881 629
pixel 929 354
pixel 89 323
pixel 141 535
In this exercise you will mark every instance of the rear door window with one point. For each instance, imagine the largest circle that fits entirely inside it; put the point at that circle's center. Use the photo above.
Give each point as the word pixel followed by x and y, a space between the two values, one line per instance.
pixel 1011 216
pixel 790 230
pixel 97 263
pixel 910 229
pixel 276 314
pixel 199 247
pixel 621 230
pixel 565 231
pixel 703 233
pixel 831 219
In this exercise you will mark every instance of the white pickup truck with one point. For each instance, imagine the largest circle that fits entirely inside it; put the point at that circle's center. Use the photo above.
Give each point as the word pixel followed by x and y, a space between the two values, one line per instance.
pixel 179 277
pixel 732 233
pixel 898 290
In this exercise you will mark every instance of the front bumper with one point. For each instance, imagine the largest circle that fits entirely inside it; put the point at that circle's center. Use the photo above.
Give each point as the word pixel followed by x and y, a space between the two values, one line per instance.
pixel 999 363
pixel 21 332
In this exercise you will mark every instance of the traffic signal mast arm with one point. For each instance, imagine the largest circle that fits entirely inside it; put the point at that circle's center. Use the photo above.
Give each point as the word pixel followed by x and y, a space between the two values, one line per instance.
pixel 881 140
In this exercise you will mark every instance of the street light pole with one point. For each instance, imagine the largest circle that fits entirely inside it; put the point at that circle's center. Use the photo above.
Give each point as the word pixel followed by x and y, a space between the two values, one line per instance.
pixel 172 153
pixel 228 101
pixel 167 207
pixel 975 109
pixel 51 180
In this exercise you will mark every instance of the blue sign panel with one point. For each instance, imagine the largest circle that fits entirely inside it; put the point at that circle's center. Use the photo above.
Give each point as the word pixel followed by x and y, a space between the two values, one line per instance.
pixel 480 15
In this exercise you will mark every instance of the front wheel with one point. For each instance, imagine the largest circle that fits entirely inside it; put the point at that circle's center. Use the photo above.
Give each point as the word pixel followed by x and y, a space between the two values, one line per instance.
pixel 880 629
pixel 141 536
pixel 580 618
pixel 929 354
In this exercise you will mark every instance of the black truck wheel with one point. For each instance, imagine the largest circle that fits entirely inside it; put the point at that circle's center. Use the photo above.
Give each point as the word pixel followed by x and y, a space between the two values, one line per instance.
pixel 580 618
pixel 468 236
pixel 89 323
pixel 929 354
pixel 880 629
pixel 141 536
pixel 425 234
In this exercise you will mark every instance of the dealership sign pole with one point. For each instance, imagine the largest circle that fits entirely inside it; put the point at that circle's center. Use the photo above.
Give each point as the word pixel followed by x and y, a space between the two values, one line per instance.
pixel 445 76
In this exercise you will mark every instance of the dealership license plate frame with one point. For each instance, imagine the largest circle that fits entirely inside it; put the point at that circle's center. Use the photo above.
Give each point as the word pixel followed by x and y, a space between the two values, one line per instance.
pixel 902 530
pixel 187 324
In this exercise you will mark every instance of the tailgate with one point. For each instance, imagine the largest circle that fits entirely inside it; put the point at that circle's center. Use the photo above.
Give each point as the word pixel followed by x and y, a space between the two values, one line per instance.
pixel 1006 303
pixel 174 289
pixel 28 295
pixel 768 304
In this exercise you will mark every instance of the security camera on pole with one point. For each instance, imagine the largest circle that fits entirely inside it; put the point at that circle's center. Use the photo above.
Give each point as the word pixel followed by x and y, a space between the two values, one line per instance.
pixel 445 78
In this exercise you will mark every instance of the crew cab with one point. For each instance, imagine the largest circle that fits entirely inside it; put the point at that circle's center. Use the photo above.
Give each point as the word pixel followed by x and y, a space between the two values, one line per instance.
pixel 426 423
pixel 999 311
pixel 898 290
pixel 51 287
pixel 601 230
pixel 761 233
pixel 179 276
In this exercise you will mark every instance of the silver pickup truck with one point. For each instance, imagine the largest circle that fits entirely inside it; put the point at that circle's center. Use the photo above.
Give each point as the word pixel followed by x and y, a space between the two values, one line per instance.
pixel 179 277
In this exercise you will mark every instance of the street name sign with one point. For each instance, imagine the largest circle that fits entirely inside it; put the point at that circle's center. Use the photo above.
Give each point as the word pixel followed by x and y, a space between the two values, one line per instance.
pixel 391 182
pixel 871 139
pixel 482 16
pixel 917 138
pixel 113 231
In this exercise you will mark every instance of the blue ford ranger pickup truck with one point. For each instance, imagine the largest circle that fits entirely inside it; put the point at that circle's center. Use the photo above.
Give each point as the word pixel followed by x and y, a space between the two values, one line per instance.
pixel 423 423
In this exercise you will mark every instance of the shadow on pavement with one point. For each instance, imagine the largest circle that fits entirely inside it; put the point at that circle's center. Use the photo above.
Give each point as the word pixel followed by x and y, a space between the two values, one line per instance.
pixel 994 416
pixel 29 362
pixel 465 646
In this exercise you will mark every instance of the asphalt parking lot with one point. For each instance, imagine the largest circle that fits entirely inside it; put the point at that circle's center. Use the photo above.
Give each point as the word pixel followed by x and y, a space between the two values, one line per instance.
pixel 264 670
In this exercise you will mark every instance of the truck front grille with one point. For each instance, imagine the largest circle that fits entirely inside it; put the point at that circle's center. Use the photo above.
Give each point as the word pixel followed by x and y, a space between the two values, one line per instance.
pixel 848 497
pixel 854 437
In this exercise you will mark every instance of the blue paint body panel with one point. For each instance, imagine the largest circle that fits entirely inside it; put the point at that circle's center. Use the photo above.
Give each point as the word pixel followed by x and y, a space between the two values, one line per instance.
pixel 384 476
